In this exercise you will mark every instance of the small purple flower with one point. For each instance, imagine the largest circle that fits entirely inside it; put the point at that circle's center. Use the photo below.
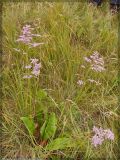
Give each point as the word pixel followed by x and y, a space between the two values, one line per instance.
pixel 34 60
pixel 36 73
pixel 96 62
pixel 109 134
pixel 96 140
pixel 87 59
pixel 35 68
pixel 80 82
pixel 96 130
pixel 97 68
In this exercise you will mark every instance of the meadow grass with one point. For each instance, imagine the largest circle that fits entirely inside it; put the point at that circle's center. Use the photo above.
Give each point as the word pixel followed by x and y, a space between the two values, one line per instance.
pixel 71 31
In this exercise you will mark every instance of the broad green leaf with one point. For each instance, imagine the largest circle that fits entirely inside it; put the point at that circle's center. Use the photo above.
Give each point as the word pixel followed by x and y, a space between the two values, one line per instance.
pixel 60 143
pixel 49 127
pixel 29 124
pixel 41 94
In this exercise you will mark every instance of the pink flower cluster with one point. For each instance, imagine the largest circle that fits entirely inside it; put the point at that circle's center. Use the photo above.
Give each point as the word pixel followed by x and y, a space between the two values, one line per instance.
pixel 101 135
pixel 35 69
pixel 96 62
pixel 26 37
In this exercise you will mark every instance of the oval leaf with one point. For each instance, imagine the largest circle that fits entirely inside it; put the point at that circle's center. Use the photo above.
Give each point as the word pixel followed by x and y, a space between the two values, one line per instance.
pixel 49 127
pixel 29 124
pixel 60 143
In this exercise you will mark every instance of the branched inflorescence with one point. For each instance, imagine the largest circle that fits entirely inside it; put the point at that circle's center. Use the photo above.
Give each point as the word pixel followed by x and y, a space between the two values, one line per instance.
pixel 96 64
pixel 101 135
pixel 27 37
pixel 35 66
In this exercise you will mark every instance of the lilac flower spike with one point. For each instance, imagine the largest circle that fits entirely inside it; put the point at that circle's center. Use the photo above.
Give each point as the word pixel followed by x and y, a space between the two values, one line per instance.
pixel 101 135
pixel 35 68
pixel 96 62
pixel 27 37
